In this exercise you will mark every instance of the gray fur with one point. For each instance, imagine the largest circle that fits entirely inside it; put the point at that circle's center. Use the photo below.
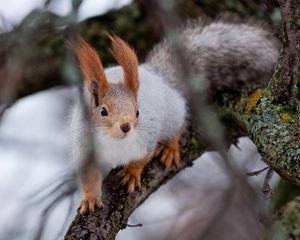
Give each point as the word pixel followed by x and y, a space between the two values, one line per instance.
pixel 227 53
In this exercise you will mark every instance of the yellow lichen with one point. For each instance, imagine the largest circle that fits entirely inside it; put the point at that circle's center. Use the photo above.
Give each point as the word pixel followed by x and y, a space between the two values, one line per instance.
pixel 285 117
pixel 255 97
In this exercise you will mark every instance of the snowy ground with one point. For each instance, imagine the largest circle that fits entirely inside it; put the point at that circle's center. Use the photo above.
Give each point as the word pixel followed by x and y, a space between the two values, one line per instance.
pixel 34 151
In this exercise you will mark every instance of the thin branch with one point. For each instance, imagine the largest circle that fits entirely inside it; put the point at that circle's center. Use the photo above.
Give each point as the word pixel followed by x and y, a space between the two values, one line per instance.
pixel 266 189
pixel 255 173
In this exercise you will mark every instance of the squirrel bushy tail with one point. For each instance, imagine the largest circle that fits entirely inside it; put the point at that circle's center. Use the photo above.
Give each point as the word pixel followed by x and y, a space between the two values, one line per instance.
pixel 228 53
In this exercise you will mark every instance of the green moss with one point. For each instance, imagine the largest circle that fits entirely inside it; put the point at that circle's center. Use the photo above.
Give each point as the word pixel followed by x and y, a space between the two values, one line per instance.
pixel 290 219
pixel 284 193
pixel 287 206
pixel 297 21
pixel 196 145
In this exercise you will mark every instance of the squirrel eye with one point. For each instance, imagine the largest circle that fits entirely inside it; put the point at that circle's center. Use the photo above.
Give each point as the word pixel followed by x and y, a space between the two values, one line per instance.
pixel 104 112
pixel 137 113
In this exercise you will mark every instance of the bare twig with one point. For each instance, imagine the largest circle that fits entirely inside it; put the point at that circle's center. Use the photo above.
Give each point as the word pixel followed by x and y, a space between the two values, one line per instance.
pixel 135 225
pixel 255 173
pixel 266 189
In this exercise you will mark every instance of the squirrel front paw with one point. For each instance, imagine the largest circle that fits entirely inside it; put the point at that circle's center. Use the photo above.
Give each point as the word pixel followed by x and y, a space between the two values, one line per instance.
pixel 131 178
pixel 88 204
pixel 170 154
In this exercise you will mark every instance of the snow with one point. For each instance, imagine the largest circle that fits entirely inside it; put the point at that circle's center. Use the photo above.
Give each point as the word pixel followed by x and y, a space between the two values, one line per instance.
pixel 33 149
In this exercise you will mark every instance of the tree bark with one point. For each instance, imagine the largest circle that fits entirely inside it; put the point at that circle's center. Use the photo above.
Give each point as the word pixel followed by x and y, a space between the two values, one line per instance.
pixel 285 84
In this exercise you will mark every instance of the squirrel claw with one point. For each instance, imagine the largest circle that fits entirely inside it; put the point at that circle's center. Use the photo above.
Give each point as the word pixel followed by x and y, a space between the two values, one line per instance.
pixel 88 205
pixel 158 150
pixel 170 156
pixel 127 178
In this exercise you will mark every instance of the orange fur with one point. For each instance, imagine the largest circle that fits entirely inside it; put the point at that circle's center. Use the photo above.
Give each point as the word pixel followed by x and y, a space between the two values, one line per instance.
pixel 91 65
pixel 127 58
pixel 131 174
pixel 170 152
pixel 91 186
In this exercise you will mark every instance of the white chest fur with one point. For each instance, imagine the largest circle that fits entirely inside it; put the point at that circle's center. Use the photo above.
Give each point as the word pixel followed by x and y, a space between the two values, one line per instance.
pixel 115 152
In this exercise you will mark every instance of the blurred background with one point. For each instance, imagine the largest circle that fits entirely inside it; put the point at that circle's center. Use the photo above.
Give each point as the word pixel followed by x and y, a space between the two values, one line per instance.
pixel 34 137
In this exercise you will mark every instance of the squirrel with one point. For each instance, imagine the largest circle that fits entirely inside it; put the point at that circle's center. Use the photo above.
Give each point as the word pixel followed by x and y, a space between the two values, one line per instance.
pixel 138 111
pixel 132 110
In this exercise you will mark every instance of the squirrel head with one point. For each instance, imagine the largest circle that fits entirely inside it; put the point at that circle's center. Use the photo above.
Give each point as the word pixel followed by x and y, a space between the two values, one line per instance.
pixel 113 106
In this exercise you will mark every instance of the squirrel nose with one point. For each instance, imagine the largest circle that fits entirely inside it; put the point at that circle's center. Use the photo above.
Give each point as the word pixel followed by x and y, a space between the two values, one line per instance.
pixel 125 127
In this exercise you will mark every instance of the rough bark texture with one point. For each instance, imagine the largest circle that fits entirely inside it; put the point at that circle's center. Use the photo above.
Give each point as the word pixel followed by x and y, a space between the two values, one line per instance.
pixel 285 84
pixel 273 129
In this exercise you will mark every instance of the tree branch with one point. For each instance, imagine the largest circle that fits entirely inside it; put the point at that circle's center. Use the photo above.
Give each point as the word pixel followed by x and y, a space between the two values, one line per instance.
pixel 285 84
pixel 273 129
pixel 28 64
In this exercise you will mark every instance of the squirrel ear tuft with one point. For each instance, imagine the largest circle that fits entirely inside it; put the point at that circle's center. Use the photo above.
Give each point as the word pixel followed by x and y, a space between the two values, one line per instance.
pixel 91 66
pixel 127 58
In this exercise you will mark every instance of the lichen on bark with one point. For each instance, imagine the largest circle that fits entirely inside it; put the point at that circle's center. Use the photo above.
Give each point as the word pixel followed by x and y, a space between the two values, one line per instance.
pixel 277 139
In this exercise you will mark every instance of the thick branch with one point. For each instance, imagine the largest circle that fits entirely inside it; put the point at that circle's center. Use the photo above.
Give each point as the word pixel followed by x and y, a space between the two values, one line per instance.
pixel 285 84
pixel 28 63
pixel 273 128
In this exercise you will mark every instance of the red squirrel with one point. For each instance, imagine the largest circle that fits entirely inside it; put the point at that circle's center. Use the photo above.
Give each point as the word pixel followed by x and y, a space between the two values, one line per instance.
pixel 134 115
